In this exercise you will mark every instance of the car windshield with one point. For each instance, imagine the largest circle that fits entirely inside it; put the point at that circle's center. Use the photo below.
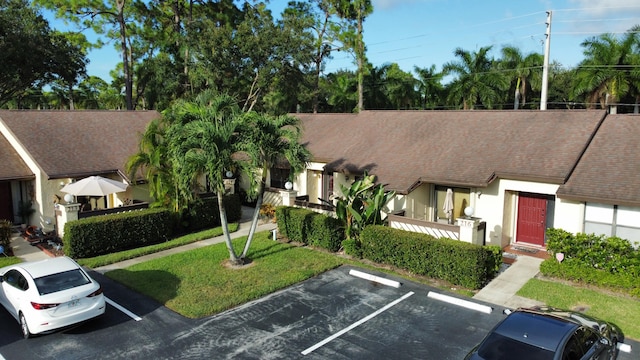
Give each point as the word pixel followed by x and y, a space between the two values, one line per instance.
pixel 498 347
pixel 61 281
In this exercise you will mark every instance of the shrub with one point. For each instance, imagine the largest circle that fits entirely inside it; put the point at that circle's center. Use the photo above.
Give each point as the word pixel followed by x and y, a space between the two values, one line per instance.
pixel 309 227
pixel 105 234
pixel 593 259
pixel 5 233
pixel 352 247
pixel 457 262
pixel 204 213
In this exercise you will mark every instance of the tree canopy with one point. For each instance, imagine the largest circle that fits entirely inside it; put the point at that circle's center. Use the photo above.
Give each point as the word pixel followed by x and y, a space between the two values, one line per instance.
pixel 276 63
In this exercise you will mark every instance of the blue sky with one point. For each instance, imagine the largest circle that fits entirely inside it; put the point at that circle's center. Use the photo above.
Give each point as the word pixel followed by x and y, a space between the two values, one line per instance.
pixel 425 32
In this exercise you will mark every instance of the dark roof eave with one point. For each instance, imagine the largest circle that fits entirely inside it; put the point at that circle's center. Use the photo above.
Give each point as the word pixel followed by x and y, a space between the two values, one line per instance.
pixel 528 177
pixel 595 199
pixel 84 174
pixel 472 184
pixel 18 178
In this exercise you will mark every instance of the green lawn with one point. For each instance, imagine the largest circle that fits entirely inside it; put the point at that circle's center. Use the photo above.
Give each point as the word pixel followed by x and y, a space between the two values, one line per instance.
pixel 618 309
pixel 197 283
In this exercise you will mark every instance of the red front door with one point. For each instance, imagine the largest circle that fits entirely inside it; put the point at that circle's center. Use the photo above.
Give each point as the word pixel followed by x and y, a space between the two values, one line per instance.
pixel 532 219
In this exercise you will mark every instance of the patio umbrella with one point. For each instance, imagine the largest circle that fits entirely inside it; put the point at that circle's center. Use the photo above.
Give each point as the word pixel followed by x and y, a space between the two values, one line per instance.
pixel 448 205
pixel 94 186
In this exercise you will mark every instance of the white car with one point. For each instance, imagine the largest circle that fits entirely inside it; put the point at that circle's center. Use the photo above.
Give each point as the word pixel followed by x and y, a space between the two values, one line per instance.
pixel 49 294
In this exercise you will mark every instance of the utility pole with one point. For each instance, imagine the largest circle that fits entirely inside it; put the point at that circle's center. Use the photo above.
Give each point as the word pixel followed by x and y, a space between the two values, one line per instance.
pixel 545 66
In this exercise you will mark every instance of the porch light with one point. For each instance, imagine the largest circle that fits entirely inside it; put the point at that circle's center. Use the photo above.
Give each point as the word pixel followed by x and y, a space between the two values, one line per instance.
pixel 468 211
pixel 229 174
pixel 68 198
pixel 288 185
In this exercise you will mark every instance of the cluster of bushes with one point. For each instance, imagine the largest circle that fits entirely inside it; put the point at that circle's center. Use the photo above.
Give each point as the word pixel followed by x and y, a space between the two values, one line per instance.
pixel 593 259
pixel 5 234
pixel 457 262
pixel 99 235
pixel 310 228
pixel 205 215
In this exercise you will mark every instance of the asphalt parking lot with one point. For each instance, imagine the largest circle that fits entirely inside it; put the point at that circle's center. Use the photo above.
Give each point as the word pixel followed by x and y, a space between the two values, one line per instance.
pixel 341 314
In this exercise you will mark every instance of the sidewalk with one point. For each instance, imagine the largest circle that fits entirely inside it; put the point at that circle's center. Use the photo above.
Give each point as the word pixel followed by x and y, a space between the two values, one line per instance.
pixel 502 290
pixel 243 230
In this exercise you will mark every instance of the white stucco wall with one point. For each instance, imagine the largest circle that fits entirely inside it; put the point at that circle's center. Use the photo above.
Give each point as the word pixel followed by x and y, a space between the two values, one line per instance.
pixel 569 216
pixel 491 204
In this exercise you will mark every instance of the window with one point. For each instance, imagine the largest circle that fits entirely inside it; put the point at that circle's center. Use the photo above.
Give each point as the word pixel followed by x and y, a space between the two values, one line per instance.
pixel 461 198
pixel 279 177
pixel 61 281
pixel 613 220
pixel 16 279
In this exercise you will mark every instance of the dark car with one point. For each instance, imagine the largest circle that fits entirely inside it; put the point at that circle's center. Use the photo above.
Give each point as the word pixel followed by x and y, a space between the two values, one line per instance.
pixel 548 334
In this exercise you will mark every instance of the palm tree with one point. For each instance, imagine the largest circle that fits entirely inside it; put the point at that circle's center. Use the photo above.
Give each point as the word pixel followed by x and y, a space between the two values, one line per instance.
pixel 605 75
pixel 430 86
pixel 526 70
pixel 400 87
pixel 152 158
pixel 341 88
pixel 268 140
pixel 477 82
pixel 375 95
pixel 201 141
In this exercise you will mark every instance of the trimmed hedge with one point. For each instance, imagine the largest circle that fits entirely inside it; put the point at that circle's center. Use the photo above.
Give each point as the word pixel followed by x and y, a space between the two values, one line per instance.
pixel 5 234
pixel 457 262
pixel 593 259
pixel 204 214
pixel 310 227
pixel 105 234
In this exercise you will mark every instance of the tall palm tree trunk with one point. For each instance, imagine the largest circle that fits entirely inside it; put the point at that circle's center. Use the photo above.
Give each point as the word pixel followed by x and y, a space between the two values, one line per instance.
pixel 225 229
pixel 256 215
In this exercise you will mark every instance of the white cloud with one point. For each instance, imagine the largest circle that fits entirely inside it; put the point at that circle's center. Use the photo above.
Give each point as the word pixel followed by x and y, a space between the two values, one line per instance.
pixel 604 16
pixel 380 5
pixel 607 7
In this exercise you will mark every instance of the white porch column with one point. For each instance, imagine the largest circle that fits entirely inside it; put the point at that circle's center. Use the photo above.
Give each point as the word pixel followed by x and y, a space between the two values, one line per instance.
pixel 468 232
pixel 64 214
pixel 288 197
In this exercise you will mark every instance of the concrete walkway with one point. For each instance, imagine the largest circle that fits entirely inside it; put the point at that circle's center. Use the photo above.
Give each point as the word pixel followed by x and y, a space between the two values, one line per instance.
pixel 502 290
pixel 243 230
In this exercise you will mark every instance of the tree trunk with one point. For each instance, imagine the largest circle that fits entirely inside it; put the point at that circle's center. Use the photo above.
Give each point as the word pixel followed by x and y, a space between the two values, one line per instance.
pixel 360 55
pixel 256 214
pixel 126 56
pixel 225 229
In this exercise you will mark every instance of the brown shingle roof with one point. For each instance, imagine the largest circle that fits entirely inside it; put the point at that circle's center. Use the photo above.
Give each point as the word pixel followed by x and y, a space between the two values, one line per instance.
pixel 466 148
pixel 78 143
pixel 12 165
pixel 609 171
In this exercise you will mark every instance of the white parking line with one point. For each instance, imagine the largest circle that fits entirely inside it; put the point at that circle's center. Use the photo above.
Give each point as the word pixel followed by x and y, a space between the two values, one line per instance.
pixel 377 279
pixel 464 303
pixel 354 325
pixel 127 312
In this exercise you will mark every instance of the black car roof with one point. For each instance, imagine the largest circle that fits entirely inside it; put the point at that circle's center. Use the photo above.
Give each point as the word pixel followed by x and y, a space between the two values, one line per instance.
pixel 536 329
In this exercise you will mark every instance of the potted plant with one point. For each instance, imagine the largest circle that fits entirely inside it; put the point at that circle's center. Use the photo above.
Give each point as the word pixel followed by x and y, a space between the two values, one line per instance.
pixel 25 210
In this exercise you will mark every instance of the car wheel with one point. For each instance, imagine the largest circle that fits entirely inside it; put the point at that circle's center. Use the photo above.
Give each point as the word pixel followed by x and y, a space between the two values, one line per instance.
pixel 614 349
pixel 25 328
